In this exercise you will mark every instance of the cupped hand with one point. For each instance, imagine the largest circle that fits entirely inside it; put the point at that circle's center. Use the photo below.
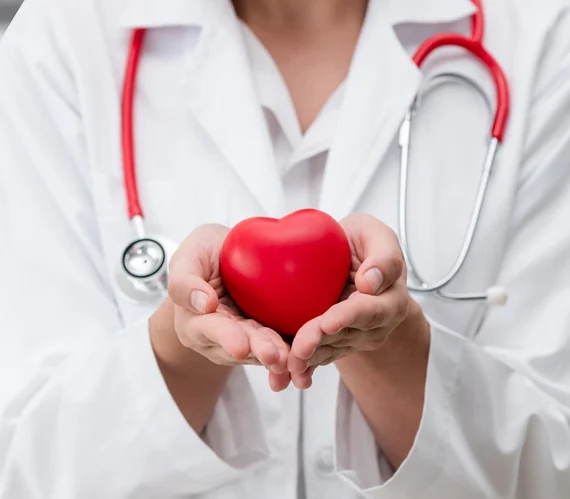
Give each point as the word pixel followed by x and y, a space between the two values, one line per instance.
pixel 374 303
pixel 208 321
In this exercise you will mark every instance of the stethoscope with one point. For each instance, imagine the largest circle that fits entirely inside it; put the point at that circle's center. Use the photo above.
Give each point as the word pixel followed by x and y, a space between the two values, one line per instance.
pixel 143 270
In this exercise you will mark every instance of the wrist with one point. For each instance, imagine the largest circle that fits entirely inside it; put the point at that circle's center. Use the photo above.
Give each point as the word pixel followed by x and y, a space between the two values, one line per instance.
pixel 389 385
pixel 411 338
pixel 194 382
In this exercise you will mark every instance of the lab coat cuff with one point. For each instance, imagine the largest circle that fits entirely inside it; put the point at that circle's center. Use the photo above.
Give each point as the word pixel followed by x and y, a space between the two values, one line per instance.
pixel 236 443
pixel 362 464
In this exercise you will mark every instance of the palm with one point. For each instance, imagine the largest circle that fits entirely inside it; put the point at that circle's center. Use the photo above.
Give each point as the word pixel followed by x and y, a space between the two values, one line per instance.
pixel 226 306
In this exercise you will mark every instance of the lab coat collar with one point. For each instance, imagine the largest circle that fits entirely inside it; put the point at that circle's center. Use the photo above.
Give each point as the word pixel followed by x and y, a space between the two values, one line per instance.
pixel 219 90
pixel 429 11
pixel 222 98
pixel 382 83
pixel 161 13
pixel 228 108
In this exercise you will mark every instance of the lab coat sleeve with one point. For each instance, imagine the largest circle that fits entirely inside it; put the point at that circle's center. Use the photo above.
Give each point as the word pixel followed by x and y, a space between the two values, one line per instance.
pixel 84 411
pixel 496 421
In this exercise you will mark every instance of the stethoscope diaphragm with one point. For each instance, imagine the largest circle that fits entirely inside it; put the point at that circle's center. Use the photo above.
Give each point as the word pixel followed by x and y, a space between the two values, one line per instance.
pixel 142 272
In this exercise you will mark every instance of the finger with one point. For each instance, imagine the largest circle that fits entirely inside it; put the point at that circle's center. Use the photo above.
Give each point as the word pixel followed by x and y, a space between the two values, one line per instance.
pixel 261 345
pixel 193 293
pixel 208 330
pixel 279 382
pixel 281 365
pixel 378 248
pixel 307 340
pixel 193 265
pixel 303 381
pixel 364 312
pixel 297 365
pixel 326 355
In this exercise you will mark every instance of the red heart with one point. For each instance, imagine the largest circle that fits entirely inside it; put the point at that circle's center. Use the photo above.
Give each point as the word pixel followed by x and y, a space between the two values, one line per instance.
pixel 285 272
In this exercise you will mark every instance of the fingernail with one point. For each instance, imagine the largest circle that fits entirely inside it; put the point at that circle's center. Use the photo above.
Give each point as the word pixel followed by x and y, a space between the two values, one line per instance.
pixel 198 300
pixel 375 279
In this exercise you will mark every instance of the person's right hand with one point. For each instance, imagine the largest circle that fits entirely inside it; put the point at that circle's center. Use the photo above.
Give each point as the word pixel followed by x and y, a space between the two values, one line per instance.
pixel 207 320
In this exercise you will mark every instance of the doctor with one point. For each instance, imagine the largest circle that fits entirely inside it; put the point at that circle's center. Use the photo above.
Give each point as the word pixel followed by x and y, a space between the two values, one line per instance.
pixel 261 107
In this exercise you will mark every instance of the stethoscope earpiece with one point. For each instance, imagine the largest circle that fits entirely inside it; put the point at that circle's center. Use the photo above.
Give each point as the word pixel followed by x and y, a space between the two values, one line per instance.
pixel 497 296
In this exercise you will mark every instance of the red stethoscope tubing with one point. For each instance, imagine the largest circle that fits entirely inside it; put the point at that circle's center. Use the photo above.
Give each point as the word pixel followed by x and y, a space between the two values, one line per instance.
pixel 127 121
pixel 473 44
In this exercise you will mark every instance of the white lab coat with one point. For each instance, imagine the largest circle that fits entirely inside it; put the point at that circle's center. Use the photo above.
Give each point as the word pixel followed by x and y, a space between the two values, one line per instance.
pixel 84 412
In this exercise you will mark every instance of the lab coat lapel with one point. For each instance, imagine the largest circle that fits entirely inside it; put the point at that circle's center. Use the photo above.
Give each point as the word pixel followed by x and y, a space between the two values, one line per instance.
pixel 223 100
pixel 381 85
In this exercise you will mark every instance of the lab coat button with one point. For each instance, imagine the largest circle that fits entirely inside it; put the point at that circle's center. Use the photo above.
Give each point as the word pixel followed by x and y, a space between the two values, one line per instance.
pixel 325 460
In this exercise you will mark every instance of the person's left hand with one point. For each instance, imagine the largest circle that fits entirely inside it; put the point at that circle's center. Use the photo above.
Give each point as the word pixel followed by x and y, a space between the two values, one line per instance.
pixel 374 303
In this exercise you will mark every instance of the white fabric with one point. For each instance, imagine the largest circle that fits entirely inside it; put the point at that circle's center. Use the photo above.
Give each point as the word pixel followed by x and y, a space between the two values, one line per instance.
pixel 83 410
pixel 300 158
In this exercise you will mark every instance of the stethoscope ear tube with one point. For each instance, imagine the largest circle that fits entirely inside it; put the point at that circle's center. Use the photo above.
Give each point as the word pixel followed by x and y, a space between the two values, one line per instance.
pixel 493 296
pixel 474 45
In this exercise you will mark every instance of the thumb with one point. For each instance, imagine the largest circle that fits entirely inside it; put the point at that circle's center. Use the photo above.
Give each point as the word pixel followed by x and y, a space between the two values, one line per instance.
pixel 193 267
pixel 378 248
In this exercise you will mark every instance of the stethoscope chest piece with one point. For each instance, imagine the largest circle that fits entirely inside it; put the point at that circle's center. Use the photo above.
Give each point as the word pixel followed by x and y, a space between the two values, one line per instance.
pixel 142 272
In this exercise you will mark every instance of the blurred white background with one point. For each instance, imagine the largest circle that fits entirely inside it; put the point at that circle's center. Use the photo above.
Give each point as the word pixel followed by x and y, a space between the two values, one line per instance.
pixel 7 10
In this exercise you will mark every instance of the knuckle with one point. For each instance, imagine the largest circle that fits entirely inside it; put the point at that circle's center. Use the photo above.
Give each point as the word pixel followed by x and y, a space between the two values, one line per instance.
pixel 401 311
pixel 345 340
pixel 375 317
pixel 189 339
pixel 323 353
pixel 253 324
pixel 187 333
pixel 341 343
pixel 394 265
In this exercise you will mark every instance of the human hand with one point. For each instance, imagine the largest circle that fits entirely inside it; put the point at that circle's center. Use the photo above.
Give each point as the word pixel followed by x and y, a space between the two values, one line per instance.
pixel 206 319
pixel 375 302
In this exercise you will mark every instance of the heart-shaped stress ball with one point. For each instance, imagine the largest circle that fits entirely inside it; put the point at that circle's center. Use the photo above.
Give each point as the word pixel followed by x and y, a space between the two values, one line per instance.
pixel 285 272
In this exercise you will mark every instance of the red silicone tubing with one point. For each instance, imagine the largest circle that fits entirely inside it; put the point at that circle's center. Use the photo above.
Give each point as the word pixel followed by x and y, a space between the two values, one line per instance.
pixel 475 46
pixel 127 119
